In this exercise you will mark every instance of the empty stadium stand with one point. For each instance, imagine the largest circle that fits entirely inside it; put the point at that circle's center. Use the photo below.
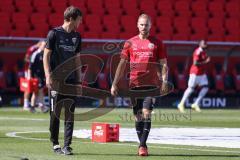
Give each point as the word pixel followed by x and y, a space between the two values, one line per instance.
pixel 214 20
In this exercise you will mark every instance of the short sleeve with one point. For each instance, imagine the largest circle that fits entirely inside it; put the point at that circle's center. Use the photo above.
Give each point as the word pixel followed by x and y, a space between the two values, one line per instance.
pixel 125 54
pixel 79 47
pixel 50 41
pixel 162 52
pixel 196 55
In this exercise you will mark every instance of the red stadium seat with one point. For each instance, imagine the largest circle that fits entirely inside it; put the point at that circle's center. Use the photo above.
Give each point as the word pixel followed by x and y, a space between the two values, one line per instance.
pixel 55 19
pixel 182 28
pixel 109 35
pixel 91 35
pixel 93 23
pixel 181 36
pixel 182 33
pixel 7 6
pixel 165 8
pixel 216 8
pixel 80 4
pixel 113 8
pixel 197 36
pixel 163 36
pixel 232 37
pixel 233 8
pixel 181 22
pixel 44 27
pixel 198 22
pixel 130 7
pixel 4 33
pixel 199 8
pixel 38 19
pixel 20 18
pixel 5 24
pixel 215 23
pixel 20 22
pixel 164 25
pixel 129 23
pixel 126 35
pixel 96 7
pixel 42 6
pixel 232 25
pixel 37 33
pixel 25 27
pixel 182 8
pixel 216 37
pixel 59 6
pixel 148 7
pixel 111 24
pixel 153 30
pixel 18 33
pixel 24 6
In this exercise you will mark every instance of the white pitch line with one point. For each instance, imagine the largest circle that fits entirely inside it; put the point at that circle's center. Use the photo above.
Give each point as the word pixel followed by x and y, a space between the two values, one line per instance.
pixel 22 119
pixel 14 135
pixel 131 124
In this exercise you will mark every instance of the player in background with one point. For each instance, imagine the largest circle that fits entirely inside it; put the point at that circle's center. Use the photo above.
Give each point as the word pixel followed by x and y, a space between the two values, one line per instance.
pixel 141 51
pixel 197 77
pixel 36 71
pixel 30 50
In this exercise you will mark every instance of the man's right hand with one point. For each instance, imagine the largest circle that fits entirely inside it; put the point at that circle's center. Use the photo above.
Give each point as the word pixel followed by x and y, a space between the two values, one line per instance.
pixel 49 82
pixel 114 90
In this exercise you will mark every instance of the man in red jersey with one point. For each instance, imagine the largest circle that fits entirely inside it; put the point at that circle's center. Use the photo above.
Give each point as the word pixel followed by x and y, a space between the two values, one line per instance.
pixel 30 51
pixel 141 51
pixel 197 77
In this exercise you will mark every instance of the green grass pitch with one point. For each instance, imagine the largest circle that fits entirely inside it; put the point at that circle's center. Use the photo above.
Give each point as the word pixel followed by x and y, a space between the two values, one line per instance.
pixel 39 148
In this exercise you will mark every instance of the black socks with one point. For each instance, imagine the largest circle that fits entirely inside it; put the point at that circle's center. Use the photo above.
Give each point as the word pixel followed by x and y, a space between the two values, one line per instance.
pixel 143 129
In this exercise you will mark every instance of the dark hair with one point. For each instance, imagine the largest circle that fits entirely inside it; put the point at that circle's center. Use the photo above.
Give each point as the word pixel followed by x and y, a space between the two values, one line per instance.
pixel 72 12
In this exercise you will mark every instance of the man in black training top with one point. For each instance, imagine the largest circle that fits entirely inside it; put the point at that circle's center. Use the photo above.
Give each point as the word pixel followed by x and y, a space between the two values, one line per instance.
pixel 62 43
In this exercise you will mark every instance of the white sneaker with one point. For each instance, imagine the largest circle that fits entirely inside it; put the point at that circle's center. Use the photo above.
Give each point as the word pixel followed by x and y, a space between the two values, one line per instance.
pixel 196 107
pixel 181 107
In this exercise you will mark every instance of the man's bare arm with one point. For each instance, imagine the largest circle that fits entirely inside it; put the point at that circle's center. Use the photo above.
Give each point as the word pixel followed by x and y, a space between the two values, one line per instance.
pixel 46 65
pixel 163 70
pixel 119 72
pixel 118 75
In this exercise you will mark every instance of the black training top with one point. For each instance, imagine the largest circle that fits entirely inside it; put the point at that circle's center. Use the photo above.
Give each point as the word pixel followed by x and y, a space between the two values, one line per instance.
pixel 64 45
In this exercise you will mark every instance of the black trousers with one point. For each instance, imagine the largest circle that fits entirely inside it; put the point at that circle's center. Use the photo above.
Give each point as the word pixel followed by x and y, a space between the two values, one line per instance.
pixel 62 108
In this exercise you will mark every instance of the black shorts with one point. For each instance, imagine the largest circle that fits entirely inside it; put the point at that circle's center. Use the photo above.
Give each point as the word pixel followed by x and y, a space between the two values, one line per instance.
pixel 140 103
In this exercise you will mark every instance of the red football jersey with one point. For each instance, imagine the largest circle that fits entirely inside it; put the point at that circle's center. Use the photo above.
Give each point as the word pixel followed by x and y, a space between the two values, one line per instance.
pixel 143 55
pixel 199 55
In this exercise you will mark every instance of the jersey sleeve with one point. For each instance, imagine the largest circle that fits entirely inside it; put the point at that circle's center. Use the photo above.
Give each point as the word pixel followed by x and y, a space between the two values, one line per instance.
pixel 79 47
pixel 125 53
pixel 50 40
pixel 197 55
pixel 162 52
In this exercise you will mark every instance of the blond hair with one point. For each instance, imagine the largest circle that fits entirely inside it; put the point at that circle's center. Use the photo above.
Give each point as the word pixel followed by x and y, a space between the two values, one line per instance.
pixel 146 17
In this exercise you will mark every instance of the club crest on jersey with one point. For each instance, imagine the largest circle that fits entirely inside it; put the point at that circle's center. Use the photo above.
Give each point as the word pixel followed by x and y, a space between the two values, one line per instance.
pixel 53 93
pixel 74 40
pixel 150 45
